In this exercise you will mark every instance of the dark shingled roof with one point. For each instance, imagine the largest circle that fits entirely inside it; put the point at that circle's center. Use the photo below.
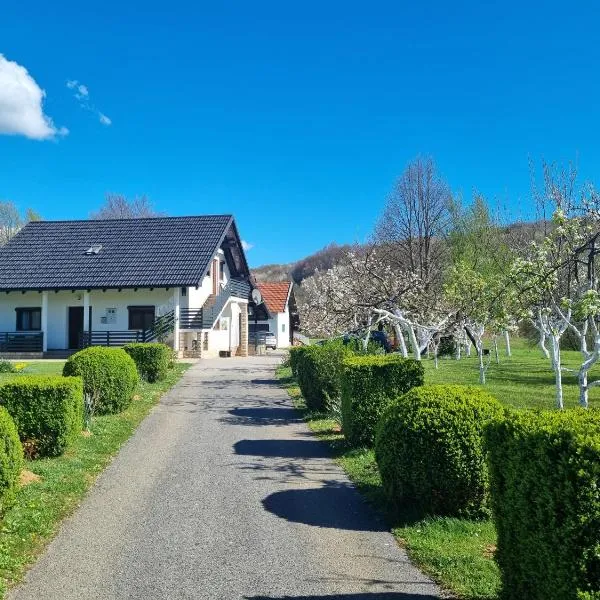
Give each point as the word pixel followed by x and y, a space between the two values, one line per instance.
pixel 152 252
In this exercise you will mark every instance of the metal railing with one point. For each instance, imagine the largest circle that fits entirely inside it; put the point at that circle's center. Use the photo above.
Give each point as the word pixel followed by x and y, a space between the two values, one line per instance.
pixel 21 341
pixel 189 318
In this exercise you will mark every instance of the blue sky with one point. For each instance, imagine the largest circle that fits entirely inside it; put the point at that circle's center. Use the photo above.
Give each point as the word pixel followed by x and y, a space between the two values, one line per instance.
pixel 297 117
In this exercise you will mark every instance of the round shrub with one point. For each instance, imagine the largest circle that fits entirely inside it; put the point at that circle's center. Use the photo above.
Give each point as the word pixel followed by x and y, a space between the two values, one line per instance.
pixel 11 460
pixel 109 375
pixel 430 450
pixel 369 384
pixel 151 360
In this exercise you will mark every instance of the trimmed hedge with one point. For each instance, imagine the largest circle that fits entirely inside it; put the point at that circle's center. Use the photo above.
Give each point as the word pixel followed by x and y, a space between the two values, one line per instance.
pixel 151 360
pixel 319 375
pixel 430 451
pixel 294 358
pixel 47 410
pixel 11 460
pixel 108 372
pixel 545 488
pixel 369 383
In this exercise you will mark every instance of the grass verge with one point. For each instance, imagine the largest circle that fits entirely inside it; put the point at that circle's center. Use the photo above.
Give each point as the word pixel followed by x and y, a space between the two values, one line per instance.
pixel 456 553
pixel 40 507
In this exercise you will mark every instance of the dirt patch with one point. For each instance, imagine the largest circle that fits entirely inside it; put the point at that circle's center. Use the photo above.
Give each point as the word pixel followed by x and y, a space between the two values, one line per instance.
pixel 137 397
pixel 489 551
pixel 26 477
pixel 86 433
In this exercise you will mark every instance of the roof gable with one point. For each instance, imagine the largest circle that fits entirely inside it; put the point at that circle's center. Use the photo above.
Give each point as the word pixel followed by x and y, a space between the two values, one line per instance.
pixel 150 252
pixel 275 294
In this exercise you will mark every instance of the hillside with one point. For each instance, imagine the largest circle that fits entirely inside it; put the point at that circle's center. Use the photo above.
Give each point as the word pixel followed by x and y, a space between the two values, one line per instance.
pixel 322 260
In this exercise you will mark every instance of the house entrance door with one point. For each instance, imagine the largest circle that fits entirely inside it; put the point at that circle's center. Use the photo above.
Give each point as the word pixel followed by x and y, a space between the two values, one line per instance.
pixel 76 325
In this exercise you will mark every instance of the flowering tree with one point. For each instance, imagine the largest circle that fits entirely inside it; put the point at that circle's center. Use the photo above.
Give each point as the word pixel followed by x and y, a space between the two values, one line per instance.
pixel 365 289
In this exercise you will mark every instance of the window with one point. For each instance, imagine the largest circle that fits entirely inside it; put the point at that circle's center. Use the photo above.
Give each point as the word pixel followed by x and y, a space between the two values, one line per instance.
pixel 283 328
pixel 222 271
pixel 29 319
pixel 95 249
pixel 141 317
pixel 252 327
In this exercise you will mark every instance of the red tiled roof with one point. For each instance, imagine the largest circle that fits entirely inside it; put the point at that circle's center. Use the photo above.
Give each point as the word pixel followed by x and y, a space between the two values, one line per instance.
pixel 275 294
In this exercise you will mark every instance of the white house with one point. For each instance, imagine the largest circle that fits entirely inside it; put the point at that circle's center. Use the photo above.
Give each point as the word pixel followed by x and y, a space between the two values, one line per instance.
pixel 278 312
pixel 68 284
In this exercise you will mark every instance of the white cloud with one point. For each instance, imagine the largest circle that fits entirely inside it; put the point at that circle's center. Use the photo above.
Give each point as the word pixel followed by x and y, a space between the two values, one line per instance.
pixel 81 93
pixel 21 104
pixel 247 246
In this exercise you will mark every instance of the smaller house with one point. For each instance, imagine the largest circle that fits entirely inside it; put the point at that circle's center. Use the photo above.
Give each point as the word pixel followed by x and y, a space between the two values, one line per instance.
pixel 278 313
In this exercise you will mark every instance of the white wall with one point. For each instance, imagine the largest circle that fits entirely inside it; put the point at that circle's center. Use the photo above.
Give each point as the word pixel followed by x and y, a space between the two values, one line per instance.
pixel 197 297
pixel 59 303
pixel 283 329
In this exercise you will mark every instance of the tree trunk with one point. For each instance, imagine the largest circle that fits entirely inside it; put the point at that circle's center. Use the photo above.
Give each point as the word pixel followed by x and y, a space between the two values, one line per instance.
pixel 542 343
pixel 479 348
pixel 458 350
pixel 557 370
pixel 367 337
pixel 468 349
pixel 401 340
pixel 413 342
pixel 496 349
pixel 507 342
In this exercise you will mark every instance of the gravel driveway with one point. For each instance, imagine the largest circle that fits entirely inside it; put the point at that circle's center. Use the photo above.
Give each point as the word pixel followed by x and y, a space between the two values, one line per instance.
pixel 223 493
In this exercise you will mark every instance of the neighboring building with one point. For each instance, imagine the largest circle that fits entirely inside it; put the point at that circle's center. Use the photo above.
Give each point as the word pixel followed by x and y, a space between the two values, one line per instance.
pixel 278 312
pixel 68 284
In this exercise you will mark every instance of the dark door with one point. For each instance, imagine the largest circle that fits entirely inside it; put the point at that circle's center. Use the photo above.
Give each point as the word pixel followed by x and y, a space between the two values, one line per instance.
pixel 76 325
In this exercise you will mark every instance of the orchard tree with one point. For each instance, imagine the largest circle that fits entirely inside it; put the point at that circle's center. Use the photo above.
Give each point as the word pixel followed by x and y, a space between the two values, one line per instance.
pixel 364 290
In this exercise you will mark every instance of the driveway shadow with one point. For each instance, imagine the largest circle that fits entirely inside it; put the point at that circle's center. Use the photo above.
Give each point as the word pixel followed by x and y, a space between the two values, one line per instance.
pixel 335 505
pixel 282 448
pixel 262 416
pixel 358 596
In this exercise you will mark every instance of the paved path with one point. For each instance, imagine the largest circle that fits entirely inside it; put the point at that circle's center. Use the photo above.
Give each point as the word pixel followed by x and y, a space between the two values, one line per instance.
pixel 223 493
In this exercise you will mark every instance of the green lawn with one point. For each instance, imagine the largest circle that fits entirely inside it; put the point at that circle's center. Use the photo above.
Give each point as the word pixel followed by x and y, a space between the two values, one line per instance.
pixel 36 367
pixel 41 506
pixel 524 380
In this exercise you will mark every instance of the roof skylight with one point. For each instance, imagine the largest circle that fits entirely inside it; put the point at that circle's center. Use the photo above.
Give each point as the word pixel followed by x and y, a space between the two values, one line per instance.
pixel 95 249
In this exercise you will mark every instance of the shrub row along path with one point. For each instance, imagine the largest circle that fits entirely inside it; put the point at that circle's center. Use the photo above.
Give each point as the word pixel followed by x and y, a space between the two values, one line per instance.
pixel 224 493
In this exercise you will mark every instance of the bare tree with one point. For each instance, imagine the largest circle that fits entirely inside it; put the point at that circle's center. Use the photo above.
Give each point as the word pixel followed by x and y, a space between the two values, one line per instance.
pixel 118 206
pixel 415 219
pixel 10 221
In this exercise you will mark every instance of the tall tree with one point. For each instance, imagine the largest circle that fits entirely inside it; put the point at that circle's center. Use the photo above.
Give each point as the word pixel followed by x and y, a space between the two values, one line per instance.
pixel 11 220
pixel 118 206
pixel 415 219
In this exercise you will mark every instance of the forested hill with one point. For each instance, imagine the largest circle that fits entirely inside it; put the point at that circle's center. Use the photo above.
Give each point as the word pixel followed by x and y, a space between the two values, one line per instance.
pixel 517 234
pixel 298 271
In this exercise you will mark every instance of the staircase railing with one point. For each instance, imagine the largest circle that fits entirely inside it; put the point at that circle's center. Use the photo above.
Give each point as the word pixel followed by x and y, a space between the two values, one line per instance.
pixel 189 318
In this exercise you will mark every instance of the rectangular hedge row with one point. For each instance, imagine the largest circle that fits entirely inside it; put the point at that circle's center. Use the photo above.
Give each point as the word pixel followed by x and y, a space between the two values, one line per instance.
pixel 545 484
pixel 542 473
pixel 47 410
pixel 369 384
